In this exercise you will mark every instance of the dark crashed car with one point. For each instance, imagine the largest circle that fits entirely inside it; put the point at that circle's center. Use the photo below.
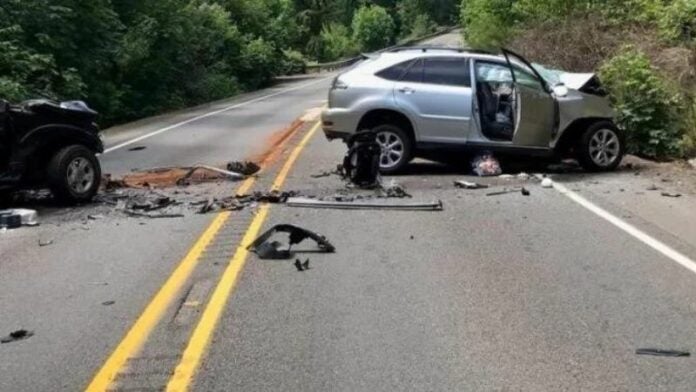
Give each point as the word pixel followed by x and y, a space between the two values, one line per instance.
pixel 50 144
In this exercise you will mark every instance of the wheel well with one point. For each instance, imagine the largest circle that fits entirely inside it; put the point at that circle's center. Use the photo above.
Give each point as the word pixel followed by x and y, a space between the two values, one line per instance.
pixel 573 132
pixel 376 117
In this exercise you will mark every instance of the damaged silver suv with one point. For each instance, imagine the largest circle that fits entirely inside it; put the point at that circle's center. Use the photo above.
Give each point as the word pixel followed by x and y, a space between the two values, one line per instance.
pixel 425 100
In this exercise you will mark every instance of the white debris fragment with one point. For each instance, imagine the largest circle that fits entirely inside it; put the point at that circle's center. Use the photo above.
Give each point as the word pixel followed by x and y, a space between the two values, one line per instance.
pixel 546 183
pixel 29 217
pixel 523 176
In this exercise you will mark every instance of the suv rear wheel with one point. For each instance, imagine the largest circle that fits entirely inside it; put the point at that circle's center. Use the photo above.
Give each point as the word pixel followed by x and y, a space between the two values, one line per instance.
pixel 74 174
pixel 601 147
pixel 396 146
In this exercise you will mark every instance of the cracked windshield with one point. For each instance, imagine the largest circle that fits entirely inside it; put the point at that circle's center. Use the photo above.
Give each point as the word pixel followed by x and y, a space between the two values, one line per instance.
pixel 347 195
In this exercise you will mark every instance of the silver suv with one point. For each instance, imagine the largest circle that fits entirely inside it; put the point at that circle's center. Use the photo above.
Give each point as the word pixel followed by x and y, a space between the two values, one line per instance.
pixel 423 101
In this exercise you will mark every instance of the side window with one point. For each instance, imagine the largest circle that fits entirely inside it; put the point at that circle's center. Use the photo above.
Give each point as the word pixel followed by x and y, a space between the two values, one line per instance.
pixel 526 78
pixel 414 73
pixel 450 71
pixel 395 71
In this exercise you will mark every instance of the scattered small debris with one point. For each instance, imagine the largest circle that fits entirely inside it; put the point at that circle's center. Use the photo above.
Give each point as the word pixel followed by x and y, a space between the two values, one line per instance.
pixel 20 334
pixel 546 183
pixel 523 176
pixel 108 303
pixel 95 217
pixel 362 205
pixel 99 283
pixel 469 185
pixel 274 250
pixel 323 174
pixel 302 266
pixel 393 190
pixel 671 194
pixel 43 243
pixel 247 168
pixel 486 165
pixel 137 148
pixel 525 192
pixel 412 237
pixel 662 353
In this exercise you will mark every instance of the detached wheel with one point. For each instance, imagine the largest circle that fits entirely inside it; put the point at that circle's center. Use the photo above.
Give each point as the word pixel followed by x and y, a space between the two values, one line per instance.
pixel 74 174
pixel 601 147
pixel 396 147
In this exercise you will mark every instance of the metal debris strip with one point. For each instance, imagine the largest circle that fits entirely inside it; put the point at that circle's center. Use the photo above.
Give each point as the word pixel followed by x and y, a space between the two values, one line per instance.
pixel 365 205
pixel 275 250
pixel 662 353
pixel 230 174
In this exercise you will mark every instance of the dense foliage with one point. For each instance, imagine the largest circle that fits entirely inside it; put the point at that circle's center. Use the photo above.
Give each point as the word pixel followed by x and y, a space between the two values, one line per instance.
pixel 131 58
pixel 652 83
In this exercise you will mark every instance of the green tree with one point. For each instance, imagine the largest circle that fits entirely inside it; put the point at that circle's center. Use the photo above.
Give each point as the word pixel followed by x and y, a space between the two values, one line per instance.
pixel 373 28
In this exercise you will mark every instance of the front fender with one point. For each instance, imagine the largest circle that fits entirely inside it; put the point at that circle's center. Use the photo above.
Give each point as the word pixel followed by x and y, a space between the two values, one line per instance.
pixel 60 134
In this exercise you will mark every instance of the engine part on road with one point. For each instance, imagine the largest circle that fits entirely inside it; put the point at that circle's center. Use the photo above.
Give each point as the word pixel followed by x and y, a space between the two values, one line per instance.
pixel 276 251
pixel 361 163
pixel 364 205
pixel 246 168
pixel 20 334
pixel 662 353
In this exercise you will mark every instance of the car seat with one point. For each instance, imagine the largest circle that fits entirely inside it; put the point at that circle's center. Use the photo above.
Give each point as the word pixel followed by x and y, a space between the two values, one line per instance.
pixel 489 106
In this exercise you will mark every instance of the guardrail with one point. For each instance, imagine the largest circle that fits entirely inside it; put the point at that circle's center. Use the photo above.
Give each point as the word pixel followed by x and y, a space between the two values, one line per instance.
pixel 334 65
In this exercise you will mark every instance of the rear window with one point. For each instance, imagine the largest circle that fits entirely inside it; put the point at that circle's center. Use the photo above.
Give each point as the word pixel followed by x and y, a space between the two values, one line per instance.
pixel 414 73
pixel 447 71
pixel 395 71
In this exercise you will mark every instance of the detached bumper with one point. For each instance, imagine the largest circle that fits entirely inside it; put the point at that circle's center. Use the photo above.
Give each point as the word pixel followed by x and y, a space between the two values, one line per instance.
pixel 338 123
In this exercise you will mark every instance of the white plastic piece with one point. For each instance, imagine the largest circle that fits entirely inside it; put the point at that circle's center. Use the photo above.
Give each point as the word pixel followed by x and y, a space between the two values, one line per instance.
pixel 29 217
pixel 546 183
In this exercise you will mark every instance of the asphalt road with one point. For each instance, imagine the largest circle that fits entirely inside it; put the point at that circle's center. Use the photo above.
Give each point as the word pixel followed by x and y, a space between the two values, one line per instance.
pixel 495 293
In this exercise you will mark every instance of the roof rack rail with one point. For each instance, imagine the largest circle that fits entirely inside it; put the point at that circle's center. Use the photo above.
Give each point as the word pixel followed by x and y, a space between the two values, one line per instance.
pixel 425 48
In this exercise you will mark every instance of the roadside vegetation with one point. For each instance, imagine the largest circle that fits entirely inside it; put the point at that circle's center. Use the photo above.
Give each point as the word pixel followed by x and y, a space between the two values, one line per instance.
pixel 644 51
pixel 133 58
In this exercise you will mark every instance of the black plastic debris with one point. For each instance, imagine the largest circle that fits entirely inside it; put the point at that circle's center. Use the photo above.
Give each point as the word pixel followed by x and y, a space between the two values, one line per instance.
pixel 243 167
pixel 273 197
pixel 525 192
pixel 662 353
pixel 503 192
pixel 361 163
pixel 469 185
pixel 671 194
pixel 137 148
pixel 275 250
pixel 43 243
pixel 20 334
pixel 10 221
pixel 302 266
pixel 108 303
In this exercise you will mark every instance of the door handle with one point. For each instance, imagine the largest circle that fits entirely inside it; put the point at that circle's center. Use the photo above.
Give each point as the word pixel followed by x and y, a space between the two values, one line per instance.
pixel 407 90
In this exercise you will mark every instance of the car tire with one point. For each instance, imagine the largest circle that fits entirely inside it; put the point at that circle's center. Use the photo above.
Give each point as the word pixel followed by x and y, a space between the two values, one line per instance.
pixel 397 148
pixel 74 174
pixel 601 147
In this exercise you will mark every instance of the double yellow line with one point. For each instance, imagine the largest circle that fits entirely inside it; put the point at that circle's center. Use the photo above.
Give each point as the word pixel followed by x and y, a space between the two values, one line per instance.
pixel 136 337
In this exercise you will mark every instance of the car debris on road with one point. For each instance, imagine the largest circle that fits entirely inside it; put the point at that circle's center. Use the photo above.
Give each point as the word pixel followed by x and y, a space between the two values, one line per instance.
pixel 246 168
pixel 547 183
pixel 671 194
pixel 486 165
pixel 469 185
pixel 275 250
pixel 365 204
pixel 662 353
pixel 17 335
pixel 302 266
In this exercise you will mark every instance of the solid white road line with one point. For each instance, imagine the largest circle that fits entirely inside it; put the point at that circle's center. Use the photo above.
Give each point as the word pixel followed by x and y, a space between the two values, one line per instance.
pixel 202 116
pixel 628 228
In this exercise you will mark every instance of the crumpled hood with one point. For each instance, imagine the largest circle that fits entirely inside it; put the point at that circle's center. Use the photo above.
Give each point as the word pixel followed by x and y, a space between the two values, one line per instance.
pixel 575 81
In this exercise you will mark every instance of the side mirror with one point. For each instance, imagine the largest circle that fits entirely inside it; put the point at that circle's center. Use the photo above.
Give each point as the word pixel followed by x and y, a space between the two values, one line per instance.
pixel 560 90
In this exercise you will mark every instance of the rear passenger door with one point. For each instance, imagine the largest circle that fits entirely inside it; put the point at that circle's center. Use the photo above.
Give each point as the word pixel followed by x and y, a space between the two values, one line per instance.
pixel 437 92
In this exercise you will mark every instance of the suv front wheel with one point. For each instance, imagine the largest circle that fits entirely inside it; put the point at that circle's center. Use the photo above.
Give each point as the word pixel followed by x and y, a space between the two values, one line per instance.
pixel 601 147
pixel 74 174
pixel 396 147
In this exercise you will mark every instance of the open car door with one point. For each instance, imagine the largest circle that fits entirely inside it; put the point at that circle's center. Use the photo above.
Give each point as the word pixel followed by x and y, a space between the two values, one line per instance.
pixel 535 106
